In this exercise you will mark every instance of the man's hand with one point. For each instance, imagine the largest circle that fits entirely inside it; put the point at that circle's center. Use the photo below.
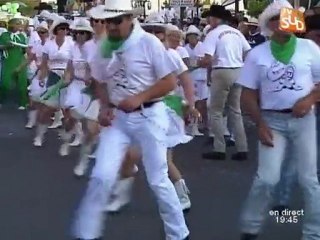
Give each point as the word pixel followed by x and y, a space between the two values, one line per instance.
pixel 302 107
pixel 106 116
pixel 265 134
pixel 130 104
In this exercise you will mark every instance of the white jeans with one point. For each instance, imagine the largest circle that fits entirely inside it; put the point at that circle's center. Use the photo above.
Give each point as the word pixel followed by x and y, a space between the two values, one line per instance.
pixel 147 128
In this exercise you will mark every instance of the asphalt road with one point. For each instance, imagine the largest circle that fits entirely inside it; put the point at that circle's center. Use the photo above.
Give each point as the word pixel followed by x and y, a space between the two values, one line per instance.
pixel 38 192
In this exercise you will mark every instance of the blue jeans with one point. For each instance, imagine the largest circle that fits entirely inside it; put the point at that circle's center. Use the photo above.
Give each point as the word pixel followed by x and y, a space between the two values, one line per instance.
pixel 297 136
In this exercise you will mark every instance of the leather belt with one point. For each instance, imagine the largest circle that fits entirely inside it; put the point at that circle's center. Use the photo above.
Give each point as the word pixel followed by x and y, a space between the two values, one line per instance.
pixel 225 68
pixel 287 110
pixel 142 106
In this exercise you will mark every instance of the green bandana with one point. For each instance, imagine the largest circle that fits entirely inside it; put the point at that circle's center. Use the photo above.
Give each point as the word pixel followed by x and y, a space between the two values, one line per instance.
pixel 110 45
pixel 284 52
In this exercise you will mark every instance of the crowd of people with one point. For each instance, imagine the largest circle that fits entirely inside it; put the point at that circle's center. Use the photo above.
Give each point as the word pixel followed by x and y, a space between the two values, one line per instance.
pixel 137 90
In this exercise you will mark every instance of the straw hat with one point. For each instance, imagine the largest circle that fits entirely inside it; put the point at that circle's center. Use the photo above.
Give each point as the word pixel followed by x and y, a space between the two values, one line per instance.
pixel 273 10
pixel 252 22
pixel 81 24
pixel 154 19
pixel 116 8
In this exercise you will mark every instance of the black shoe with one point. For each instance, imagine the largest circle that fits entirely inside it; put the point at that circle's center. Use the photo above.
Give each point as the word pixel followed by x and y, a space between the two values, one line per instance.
pixel 214 155
pixel 240 156
pixel 248 236
pixel 280 209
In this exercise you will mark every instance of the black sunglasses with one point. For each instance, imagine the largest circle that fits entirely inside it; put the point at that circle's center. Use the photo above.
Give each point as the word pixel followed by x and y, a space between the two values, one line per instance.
pixel 115 21
pixel 275 18
pixel 42 32
pixel 79 32
pixel 97 20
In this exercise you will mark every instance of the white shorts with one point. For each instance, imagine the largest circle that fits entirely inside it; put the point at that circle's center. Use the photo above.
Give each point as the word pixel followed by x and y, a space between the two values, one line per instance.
pixel 201 90
pixel 35 90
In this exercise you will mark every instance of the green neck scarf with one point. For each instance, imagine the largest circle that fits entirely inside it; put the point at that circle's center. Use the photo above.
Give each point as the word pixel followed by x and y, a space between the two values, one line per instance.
pixel 110 45
pixel 284 52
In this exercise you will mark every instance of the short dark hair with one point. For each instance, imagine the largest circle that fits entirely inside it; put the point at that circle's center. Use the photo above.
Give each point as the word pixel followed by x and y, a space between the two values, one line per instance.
pixel 89 35
pixel 55 30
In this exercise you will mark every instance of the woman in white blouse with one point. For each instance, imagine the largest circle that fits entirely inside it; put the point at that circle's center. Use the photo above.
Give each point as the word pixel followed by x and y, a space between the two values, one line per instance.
pixel 56 54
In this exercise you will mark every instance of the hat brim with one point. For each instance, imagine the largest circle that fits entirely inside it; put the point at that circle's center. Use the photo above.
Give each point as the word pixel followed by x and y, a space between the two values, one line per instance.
pixel 107 14
pixel 57 23
pixel 85 29
pixel 154 24
pixel 251 24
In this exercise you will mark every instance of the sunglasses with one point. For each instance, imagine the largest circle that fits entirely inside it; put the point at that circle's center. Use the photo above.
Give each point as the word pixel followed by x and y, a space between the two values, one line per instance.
pixel 79 32
pixel 275 18
pixel 42 32
pixel 153 29
pixel 115 21
pixel 98 21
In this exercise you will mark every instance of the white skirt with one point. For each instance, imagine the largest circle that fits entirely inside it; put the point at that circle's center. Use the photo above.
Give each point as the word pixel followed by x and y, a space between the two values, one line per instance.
pixel 176 133
pixel 82 105
pixel 35 90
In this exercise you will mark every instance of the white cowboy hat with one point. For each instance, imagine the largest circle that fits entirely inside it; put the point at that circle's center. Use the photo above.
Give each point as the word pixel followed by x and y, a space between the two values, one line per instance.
pixel 273 10
pixel 81 25
pixel 252 22
pixel 154 19
pixel 57 21
pixel 116 8
pixel 43 25
pixel 193 30
pixel 96 12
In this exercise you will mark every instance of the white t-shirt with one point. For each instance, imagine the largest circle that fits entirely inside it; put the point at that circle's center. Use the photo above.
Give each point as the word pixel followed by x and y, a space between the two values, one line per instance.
pixel 195 54
pixel 137 68
pixel 79 62
pixel 58 57
pixel 227 45
pixel 281 85
pixel 182 52
pixel 37 50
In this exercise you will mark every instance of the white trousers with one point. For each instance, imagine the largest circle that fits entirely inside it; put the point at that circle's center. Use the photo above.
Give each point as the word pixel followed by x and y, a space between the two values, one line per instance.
pixel 148 129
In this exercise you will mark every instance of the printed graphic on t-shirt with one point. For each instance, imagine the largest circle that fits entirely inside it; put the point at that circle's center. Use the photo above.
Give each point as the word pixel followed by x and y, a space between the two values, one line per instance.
pixel 119 76
pixel 281 77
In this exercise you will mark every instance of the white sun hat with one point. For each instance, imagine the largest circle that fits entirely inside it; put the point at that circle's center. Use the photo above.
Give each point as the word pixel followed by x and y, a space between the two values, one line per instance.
pixel 252 22
pixel 43 25
pixel 81 24
pixel 154 19
pixel 116 8
pixel 57 21
pixel 192 29
pixel 96 12
pixel 273 10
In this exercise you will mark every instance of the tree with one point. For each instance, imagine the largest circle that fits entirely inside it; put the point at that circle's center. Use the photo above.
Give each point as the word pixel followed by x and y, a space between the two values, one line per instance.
pixel 256 7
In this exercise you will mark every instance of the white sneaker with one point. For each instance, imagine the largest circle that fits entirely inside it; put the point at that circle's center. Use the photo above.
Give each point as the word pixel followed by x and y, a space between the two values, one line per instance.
pixel 37 142
pixel 32 119
pixel 55 124
pixel 76 142
pixel 29 125
pixel 121 195
pixel 64 150
pixel 81 168
pixel 92 156
pixel 21 108
pixel 183 194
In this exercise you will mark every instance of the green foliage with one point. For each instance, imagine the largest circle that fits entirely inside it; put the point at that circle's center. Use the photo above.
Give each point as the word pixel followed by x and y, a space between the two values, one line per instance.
pixel 256 7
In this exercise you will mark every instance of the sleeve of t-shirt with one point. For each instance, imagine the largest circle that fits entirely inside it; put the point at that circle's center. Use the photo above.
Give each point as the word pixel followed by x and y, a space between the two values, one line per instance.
pixel 315 61
pixel 249 76
pixel 183 52
pixel 210 43
pixel 160 60
pixel 181 66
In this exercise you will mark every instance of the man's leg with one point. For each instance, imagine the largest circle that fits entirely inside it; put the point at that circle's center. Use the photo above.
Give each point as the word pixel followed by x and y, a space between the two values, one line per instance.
pixel 89 219
pixel 22 88
pixel 304 149
pixel 219 94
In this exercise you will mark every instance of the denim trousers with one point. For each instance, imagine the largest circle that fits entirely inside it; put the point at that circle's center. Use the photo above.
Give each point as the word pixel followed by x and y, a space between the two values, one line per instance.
pixel 147 129
pixel 296 136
